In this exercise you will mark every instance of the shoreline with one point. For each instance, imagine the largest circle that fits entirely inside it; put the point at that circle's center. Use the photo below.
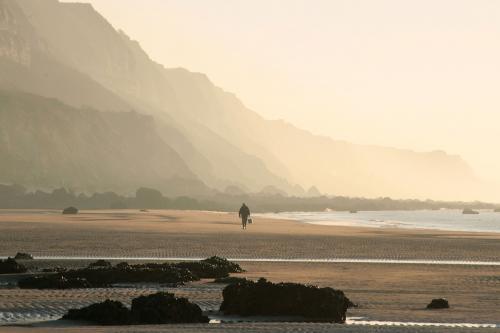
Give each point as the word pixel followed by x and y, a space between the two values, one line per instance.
pixel 391 273
pixel 349 220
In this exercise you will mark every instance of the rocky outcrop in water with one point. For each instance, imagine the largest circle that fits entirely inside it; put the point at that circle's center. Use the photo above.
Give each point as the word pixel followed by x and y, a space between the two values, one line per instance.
pixel 263 298
pixel 11 266
pixel 159 308
pixel 53 281
pixel 125 273
pixel 102 274
pixel 165 308
pixel 213 267
pixel 105 313
pixel 470 211
pixel 438 303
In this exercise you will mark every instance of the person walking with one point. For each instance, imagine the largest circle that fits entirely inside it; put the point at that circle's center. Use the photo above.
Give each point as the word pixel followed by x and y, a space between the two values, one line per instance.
pixel 244 214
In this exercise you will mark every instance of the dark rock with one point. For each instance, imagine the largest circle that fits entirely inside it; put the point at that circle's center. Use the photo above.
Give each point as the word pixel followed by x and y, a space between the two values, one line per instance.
pixel 10 266
pixel 469 211
pixel 125 273
pixel 213 267
pixel 70 210
pixel 122 265
pixel 165 308
pixel 53 281
pixel 105 313
pixel 102 274
pixel 100 264
pixel 285 299
pixel 438 303
pixel 496 210
pixel 23 256
pixel 353 211
pixel 159 308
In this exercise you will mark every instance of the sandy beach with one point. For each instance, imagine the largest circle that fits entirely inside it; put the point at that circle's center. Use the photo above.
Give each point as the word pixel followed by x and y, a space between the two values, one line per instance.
pixel 384 292
pixel 163 233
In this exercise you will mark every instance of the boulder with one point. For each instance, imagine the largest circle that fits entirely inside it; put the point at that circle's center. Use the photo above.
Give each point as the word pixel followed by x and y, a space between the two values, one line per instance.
pixel 100 264
pixel 159 308
pixel 10 266
pixel 438 303
pixel 469 211
pixel 125 273
pixel 52 281
pixel 23 256
pixel 263 298
pixel 165 308
pixel 105 313
pixel 213 267
pixel 70 210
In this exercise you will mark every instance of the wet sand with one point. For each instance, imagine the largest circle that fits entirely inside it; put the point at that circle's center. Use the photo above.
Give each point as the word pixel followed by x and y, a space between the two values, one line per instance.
pixel 384 292
pixel 199 234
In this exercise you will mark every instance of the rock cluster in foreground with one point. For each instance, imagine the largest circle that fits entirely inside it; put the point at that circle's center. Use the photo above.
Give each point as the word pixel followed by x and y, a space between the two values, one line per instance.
pixel 263 298
pixel 104 274
pixel 159 308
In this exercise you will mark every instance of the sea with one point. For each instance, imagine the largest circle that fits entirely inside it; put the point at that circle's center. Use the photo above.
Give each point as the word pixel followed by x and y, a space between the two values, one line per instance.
pixel 443 219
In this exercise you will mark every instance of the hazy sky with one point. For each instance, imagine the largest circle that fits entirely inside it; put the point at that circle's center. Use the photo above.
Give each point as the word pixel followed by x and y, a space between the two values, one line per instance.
pixel 423 75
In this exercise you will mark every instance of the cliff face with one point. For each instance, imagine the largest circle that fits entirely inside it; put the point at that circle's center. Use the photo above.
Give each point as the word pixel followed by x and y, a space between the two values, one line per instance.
pixel 13 45
pixel 44 143
pixel 70 52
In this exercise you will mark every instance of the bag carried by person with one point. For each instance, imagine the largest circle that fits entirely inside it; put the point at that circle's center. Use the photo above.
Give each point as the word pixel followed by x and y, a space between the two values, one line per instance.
pixel 249 221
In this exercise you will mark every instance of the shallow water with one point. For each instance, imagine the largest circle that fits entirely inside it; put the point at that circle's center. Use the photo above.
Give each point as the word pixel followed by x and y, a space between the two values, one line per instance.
pixel 444 219
pixel 291 260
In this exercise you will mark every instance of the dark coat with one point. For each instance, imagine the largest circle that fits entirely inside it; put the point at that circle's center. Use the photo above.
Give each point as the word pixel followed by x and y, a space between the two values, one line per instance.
pixel 244 211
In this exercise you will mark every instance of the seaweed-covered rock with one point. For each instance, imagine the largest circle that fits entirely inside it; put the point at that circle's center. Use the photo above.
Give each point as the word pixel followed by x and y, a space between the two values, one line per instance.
pixel 11 266
pixel 230 266
pixel 103 274
pixel 438 303
pixel 100 264
pixel 124 273
pixel 52 281
pixel 105 313
pixel 285 299
pixel 70 210
pixel 159 308
pixel 165 308
pixel 23 256
pixel 213 267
